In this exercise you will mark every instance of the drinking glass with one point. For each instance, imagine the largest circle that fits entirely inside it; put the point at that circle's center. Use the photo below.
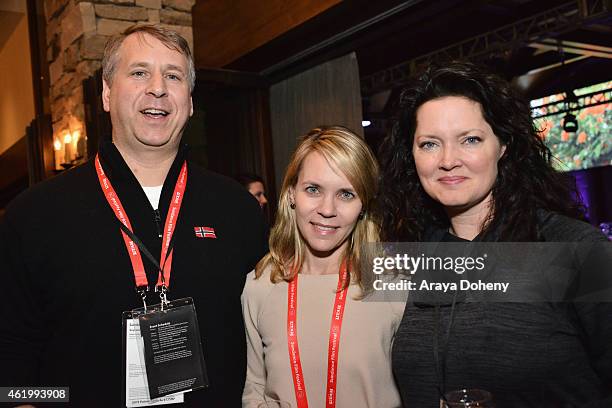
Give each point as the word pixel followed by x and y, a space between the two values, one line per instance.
pixel 468 398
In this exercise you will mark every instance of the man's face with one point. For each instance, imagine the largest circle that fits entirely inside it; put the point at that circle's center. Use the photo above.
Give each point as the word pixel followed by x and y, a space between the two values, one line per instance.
pixel 149 100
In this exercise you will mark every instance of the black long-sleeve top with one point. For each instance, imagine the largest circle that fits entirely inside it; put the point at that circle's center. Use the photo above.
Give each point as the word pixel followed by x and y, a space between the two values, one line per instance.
pixel 544 355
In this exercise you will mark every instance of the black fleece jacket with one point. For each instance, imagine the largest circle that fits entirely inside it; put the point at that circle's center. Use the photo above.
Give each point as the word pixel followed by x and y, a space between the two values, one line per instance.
pixel 66 278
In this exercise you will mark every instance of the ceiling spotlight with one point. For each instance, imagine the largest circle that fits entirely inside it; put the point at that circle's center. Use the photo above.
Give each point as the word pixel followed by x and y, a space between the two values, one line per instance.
pixel 570 124
pixel 366 123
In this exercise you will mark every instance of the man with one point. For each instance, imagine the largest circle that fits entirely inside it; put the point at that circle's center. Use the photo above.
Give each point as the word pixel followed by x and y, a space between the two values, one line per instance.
pixel 255 185
pixel 65 268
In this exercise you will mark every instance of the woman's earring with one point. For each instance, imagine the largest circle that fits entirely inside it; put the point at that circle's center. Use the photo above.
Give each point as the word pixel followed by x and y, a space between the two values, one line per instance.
pixel 292 205
pixel 361 215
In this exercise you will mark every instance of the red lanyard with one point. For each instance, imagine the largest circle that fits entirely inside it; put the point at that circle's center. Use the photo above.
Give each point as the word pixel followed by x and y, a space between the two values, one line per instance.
pixel 334 341
pixel 175 206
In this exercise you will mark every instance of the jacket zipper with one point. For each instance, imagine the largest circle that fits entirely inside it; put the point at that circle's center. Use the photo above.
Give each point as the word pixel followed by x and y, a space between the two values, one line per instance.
pixel 157 216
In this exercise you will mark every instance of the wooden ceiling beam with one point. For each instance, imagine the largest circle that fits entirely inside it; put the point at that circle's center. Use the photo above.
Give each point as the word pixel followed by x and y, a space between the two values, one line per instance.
pixel 226 30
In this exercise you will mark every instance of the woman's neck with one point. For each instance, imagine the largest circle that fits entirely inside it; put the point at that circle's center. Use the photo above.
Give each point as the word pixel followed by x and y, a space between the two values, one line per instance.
pixel 467 224
pixel 322 265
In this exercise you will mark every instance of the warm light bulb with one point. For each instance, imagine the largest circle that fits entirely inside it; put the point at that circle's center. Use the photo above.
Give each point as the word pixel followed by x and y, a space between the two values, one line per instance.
pixel 75 135
pixel 68 138
pixel 57 145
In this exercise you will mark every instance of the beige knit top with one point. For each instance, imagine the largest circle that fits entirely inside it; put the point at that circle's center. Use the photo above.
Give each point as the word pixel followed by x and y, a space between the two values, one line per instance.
pixel 365 378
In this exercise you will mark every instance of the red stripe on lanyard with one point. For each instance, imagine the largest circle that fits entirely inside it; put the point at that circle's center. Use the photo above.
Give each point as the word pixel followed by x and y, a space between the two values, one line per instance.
pixel 112 198
pixel 173 212
pixel 334 341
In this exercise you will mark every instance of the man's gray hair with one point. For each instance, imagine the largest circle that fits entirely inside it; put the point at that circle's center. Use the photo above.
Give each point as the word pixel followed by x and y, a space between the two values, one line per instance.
pixel 169 38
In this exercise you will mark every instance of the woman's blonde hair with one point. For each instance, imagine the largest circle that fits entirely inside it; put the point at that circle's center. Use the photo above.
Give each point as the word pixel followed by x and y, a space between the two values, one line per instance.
pixel 350 154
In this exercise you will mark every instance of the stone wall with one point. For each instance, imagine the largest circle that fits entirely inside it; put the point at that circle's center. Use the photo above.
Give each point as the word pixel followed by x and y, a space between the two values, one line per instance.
pixel 76 34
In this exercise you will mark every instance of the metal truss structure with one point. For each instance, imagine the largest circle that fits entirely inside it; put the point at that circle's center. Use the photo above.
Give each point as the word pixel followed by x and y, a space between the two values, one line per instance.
pixel 551 23
pixel 567 106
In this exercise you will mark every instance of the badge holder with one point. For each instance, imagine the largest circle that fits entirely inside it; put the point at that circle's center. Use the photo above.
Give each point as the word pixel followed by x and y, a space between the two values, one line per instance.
pixel 172 347
pixel 172 356
pixel 135 388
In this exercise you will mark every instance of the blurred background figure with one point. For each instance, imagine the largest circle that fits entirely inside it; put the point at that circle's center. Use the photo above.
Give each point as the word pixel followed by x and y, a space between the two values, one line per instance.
pixel 255 185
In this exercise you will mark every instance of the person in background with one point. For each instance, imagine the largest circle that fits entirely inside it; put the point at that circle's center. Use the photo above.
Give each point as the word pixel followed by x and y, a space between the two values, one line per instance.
pixel 324 221
pixel 465 163
pixel 67 271
pixel 255 185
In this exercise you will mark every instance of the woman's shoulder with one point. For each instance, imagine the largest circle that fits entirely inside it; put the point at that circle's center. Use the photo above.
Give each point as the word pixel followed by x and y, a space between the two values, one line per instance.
pixel 560 228
pixel 258 287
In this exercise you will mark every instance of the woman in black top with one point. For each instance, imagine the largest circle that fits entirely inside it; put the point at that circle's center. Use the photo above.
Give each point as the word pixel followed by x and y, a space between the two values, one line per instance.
pixel 465 163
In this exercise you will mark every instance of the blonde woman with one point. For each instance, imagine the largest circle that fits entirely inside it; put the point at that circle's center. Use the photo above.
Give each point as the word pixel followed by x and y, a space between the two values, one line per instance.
pixel 312 338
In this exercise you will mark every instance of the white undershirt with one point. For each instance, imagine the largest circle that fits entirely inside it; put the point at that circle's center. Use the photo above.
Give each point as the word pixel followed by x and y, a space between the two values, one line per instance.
pixel 153 194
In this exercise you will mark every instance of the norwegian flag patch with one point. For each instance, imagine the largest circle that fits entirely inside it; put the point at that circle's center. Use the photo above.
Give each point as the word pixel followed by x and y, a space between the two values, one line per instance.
pixel 204 232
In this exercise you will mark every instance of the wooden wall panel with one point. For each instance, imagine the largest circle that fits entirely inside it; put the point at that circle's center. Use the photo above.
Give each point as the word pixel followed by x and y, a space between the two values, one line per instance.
pixel 223 31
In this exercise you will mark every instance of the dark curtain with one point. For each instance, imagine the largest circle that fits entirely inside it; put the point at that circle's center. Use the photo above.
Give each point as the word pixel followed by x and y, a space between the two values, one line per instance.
pixel 328 94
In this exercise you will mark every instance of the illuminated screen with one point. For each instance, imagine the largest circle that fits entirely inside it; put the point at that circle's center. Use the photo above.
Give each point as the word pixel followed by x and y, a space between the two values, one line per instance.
pixel 591 145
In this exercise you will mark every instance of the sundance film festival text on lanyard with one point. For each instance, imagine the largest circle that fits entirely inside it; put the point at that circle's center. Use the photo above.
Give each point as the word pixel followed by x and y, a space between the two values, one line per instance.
pixel 133 244
pixel 334 341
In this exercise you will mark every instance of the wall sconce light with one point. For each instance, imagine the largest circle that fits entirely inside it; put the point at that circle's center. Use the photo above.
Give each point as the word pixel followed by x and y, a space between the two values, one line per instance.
pixel 68 148
pixel 58 154
pixel 79 144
